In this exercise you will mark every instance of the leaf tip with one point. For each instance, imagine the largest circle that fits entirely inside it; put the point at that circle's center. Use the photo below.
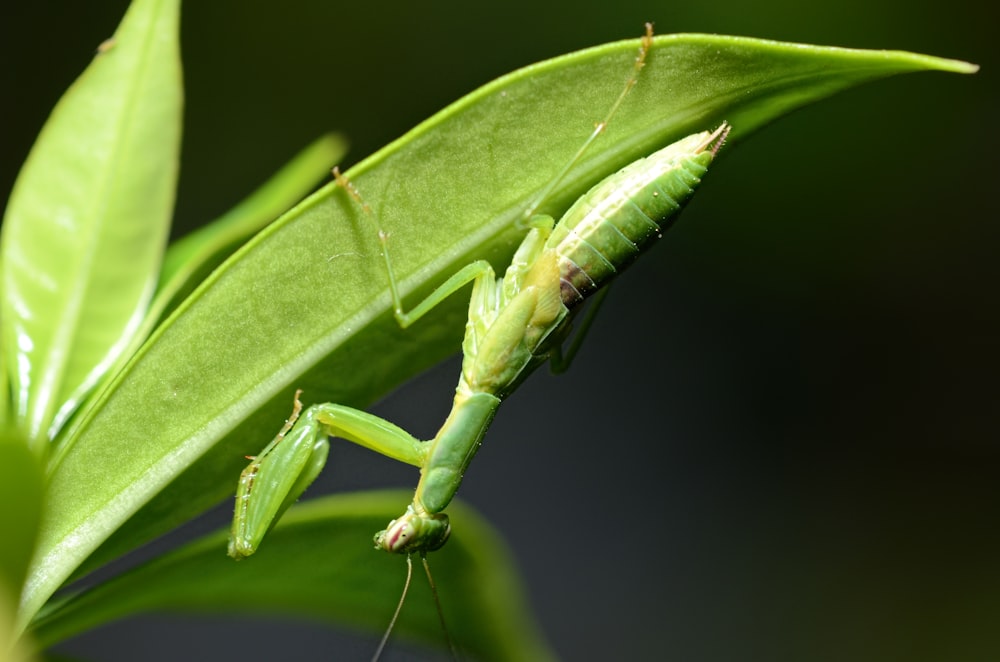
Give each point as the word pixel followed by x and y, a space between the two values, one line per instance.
pixel 955 66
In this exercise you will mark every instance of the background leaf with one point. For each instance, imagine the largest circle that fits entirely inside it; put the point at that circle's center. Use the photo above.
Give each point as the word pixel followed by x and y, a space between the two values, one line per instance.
pixel 318 564
pixel 87 220
pixel 304 304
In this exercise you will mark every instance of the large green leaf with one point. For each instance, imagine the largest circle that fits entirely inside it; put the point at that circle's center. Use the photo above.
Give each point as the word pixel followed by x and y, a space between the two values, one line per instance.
pixel 88 218
pixel 304 304
pixel 336 575
pixel 190 259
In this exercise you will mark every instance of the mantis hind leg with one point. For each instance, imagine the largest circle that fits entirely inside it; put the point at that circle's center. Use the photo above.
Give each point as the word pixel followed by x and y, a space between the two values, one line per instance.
pixel 599 128
pixel 561 357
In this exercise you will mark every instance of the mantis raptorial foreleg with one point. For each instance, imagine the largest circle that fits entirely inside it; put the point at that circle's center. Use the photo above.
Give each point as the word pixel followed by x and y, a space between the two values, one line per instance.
pixel 291 462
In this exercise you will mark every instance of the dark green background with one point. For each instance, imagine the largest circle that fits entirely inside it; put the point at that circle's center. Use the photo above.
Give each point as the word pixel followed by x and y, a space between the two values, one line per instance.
pixel 781 440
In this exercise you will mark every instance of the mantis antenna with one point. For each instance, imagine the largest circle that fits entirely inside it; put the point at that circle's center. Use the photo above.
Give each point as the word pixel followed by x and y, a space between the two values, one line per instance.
pixel 402 599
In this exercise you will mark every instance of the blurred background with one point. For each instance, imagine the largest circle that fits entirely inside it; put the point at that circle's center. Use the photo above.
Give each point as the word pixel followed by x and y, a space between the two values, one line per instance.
pixel 789 449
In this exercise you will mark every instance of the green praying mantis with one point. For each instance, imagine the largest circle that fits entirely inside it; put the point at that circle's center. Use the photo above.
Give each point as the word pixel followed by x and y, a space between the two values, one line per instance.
pixel 515 324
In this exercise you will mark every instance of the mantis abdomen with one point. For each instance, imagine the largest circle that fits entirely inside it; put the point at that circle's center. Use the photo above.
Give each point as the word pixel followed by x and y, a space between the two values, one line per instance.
pixel 618 219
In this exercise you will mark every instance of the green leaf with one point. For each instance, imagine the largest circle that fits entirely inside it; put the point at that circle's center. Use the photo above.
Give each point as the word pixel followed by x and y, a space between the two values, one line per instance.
pixel 88 217
pixel 305 304
pixel 336 575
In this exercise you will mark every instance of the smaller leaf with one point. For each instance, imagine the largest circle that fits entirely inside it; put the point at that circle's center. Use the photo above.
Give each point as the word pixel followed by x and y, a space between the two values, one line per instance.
pixel 88 217
pixel 319 562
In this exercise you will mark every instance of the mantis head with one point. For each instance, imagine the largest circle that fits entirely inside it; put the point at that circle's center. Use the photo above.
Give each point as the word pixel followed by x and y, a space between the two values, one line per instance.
pixel 414 532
